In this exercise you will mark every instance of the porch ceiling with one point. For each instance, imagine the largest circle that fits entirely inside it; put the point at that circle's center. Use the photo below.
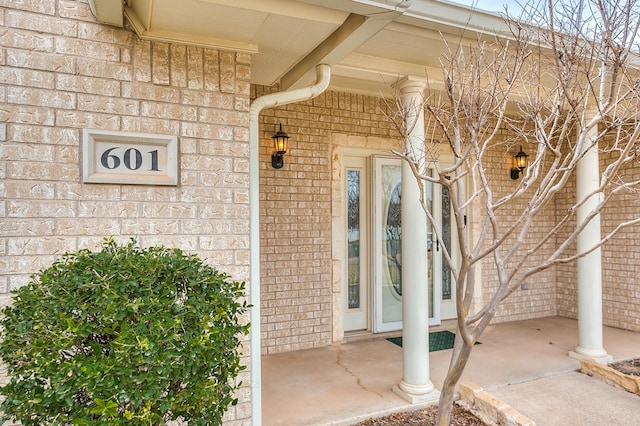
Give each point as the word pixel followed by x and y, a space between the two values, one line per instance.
pixel 368 43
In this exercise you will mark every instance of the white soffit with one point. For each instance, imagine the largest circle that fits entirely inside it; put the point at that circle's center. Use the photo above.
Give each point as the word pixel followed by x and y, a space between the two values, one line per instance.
pixel 277 32
pixel 283 42
pixel 187 22
pixel 453 18
pixel 403 47
pixel 293 9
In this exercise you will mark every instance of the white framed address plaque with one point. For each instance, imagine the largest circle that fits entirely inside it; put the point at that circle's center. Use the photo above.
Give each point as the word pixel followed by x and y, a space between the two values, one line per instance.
pixel 129 158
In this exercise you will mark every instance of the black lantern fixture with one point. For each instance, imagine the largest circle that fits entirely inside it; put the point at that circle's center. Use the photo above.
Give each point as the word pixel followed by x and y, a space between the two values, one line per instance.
pixel 519 164
pixel 280 140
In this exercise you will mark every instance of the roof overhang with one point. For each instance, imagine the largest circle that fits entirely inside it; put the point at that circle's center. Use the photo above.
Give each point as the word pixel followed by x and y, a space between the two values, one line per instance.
pixel 369 44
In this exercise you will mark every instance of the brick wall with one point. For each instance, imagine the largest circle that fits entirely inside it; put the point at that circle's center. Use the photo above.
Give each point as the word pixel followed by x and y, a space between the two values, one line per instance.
pixel 62 72
pixel 620 257
pixel 621 264
pixel 295 214
pixel 538 298
pixel 566 276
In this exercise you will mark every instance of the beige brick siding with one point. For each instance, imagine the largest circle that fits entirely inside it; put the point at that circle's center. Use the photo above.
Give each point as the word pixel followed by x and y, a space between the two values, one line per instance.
pixel 620 257
pixel 539 299
pixel 296 214
pixel 566 276
pixel 62 72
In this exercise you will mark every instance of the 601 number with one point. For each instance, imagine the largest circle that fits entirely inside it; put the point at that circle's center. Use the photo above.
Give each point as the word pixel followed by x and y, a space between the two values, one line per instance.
pixel 131 159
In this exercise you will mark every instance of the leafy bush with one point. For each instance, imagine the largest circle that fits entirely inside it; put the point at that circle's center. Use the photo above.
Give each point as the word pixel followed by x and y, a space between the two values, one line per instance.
pixel 123 336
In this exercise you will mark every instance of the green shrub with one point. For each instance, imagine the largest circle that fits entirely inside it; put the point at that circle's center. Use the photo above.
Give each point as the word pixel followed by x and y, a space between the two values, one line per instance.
pixel 123 336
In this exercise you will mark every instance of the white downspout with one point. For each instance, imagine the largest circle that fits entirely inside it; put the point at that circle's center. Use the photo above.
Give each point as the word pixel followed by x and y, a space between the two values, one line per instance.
pixel 323 73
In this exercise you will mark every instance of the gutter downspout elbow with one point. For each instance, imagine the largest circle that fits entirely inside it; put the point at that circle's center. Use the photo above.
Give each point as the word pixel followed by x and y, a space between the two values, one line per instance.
pixel 323 76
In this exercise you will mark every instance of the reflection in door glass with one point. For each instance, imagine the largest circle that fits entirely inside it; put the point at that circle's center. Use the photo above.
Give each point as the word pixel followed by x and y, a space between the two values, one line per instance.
pixel 428 199
pixel 353 237
pixel 446 239
pixel 388 247
pixel 393 231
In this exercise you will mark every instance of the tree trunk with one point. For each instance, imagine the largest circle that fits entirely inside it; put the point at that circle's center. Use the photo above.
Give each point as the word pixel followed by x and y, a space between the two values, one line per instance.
pixel 459 359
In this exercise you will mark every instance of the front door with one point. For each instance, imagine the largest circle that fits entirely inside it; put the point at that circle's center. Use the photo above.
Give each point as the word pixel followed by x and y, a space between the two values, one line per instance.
pixel 373 281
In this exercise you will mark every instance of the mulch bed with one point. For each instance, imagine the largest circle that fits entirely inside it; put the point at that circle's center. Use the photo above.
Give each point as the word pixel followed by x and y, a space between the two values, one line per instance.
pixel 630 367
pixel 425 417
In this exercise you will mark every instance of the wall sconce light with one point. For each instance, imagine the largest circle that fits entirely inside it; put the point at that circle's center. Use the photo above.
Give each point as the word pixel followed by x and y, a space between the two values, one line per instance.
pixel 519 164
pixel 280 140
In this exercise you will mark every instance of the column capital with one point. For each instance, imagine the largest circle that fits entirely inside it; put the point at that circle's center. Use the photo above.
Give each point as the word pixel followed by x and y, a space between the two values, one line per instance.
pixel 410 83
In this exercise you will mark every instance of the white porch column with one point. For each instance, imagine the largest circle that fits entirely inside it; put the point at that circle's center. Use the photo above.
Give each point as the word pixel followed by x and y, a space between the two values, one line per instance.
pixel 415 385
pixel 590 342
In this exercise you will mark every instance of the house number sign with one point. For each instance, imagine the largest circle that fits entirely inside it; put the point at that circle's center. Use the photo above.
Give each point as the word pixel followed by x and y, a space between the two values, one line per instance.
pixel 129 158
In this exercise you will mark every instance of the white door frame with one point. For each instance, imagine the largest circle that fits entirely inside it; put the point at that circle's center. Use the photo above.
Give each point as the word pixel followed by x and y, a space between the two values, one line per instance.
pixel 368 315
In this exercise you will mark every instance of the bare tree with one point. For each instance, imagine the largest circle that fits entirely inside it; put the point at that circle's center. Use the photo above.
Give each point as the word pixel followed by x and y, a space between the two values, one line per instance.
pixel 562 82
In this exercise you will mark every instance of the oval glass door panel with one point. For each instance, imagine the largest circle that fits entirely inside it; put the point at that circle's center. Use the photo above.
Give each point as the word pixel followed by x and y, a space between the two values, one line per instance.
pixel 392 230
pixel 387 249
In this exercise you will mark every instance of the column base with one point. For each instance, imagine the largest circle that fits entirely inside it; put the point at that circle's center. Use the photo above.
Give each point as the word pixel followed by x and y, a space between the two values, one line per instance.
pixel 416 394
pixel 600 357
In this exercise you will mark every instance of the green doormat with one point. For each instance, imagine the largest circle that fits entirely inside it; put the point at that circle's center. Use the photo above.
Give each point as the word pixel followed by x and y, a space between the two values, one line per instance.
pixel 438 340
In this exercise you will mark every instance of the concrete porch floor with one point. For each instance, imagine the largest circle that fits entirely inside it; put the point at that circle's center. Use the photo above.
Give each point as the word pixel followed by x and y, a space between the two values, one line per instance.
pixel 523 363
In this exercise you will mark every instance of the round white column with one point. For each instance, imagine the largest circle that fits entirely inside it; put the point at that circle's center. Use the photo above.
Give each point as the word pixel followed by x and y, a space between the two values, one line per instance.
pixel 590 340
pixel 415 385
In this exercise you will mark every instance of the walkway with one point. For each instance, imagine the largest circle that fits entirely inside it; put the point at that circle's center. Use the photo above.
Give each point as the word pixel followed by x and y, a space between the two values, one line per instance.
pixel 524 363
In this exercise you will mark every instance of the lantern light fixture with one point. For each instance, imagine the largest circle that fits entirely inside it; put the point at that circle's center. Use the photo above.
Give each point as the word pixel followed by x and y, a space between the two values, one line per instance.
pixel 280 141
pixel 520 163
